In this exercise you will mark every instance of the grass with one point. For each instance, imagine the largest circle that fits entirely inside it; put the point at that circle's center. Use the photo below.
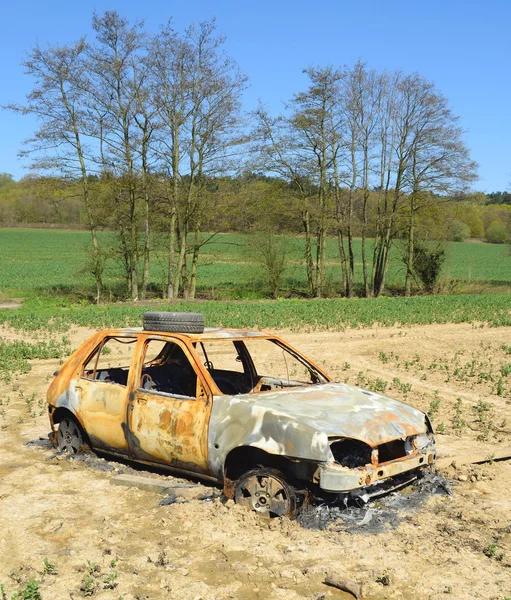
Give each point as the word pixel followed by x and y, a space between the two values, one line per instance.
pixel 14 356
pixel 47 268
pixel 335 314
pixel 53 261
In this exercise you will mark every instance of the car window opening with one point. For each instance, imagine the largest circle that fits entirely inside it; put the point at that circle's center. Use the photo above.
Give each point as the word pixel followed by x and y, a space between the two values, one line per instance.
pixel 170 372
pixel 110 361
pixel 251 366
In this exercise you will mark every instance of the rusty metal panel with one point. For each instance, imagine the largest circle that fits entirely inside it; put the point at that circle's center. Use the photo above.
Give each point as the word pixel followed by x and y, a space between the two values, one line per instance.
pixel 297 422
pixel 334 478
pixel 167 429
pixel 170 430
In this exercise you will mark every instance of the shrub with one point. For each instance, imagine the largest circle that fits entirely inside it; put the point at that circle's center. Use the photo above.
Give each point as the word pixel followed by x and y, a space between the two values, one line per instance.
pixel 459 231
pixel 427 264
pixel 269 250
pixel 497 233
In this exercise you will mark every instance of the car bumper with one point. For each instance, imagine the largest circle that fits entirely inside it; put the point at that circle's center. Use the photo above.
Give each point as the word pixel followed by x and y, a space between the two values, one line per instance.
pixel 338 479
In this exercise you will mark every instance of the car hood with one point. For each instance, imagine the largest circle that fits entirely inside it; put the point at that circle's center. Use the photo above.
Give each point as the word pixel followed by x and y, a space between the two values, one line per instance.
pixel 342 410
pixel 298 422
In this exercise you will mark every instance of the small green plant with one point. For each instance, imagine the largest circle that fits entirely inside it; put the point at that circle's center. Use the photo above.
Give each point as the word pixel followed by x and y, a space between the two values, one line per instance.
pixel 379 385
pixel 360 381
pixel 110 581
pixel 3 595
pixel 434 407
pixel 493 551
pixel 405 388
pixel 457 421
pixel 29 592
pixel 89 585
pixel 49 568
pixel 383 357
pixel 483 410
pixel 440 428
pixel 93 568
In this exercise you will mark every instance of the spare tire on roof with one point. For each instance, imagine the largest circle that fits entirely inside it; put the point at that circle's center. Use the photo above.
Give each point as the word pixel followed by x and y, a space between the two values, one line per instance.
pixel 174 322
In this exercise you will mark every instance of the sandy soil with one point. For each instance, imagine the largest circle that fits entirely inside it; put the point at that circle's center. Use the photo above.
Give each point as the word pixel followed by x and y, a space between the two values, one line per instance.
pixel 113 542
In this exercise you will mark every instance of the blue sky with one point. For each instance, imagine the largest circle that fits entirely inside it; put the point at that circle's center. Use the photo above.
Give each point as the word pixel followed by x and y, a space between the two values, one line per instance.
pixel 463 46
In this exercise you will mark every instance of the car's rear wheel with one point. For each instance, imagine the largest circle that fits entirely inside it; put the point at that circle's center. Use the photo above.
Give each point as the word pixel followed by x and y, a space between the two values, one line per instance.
pixel 70 437
pixel 266 492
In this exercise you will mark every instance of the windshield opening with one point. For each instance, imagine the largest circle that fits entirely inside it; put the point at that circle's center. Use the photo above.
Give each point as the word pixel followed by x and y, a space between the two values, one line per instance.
pixel 255 365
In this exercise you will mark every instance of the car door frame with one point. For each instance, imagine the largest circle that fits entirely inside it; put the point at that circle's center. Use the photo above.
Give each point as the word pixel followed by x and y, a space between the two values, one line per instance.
pixel 102 406
pixel 167 429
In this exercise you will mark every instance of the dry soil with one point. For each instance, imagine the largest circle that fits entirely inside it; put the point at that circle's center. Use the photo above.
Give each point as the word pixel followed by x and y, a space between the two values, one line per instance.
pixel 64 524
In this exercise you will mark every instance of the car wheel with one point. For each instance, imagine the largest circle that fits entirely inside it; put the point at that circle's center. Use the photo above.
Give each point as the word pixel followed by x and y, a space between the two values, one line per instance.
pixel 69 436
pixel 266 492
pixel 174 322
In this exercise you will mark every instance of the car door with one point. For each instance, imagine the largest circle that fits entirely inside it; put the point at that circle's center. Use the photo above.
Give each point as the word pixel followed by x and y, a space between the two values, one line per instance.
pixel 170 406
pixel 103 392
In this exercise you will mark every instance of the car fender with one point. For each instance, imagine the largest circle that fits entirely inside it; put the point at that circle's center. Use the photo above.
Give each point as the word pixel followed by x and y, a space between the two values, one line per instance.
pixel 237 421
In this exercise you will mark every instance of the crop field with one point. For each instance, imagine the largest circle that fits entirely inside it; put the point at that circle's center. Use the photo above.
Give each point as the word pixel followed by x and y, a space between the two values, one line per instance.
pixel 41 261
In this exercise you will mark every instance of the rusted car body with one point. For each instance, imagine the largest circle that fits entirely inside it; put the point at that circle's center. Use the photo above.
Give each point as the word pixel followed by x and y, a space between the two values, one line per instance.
pixel 291 428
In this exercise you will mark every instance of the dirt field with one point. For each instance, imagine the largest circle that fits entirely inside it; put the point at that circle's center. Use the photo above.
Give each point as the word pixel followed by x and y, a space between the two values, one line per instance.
pixel 64 524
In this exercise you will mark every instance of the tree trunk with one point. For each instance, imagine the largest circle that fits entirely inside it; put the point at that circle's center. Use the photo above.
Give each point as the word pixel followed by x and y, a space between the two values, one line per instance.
pixel 178 274
pixel 410 249
pixel 351 264
pixel 309 263
pixel 342 254
pixel 367 287
pixel 192 285
pixel 171 263
pixel 133 258
pixel 145 273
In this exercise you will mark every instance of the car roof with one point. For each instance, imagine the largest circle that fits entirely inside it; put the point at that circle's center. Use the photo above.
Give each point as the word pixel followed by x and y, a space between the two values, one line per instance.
pixel 210 333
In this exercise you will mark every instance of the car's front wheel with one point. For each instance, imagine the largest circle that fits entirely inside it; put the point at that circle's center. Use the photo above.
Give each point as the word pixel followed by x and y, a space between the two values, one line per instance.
pixel 266 492
pixel 70 437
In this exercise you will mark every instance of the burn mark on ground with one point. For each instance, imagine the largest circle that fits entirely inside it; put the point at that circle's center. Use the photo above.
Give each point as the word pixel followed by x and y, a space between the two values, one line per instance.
pixel 378 515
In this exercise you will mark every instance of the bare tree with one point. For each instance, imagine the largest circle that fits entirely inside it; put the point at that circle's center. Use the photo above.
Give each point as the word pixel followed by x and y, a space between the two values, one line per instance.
pixel 314 121
pixel 276 150
pixel 439 162
pixel 361 94
pixel 171 94
pixel 303 148
pixel 59 145
pixel 114 95
pixel 199 103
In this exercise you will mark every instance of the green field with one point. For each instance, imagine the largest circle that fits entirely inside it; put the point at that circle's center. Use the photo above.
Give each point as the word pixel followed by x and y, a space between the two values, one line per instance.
pixel 36 262
pixel 46 267
pixel 335 315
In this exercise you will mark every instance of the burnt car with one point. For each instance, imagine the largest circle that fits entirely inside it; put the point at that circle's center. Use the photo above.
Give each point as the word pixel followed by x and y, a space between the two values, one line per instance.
pixel 241 408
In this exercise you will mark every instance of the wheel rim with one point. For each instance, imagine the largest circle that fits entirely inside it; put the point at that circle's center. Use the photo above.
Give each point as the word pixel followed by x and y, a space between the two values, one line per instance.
pixel 266 495
pixel 69 437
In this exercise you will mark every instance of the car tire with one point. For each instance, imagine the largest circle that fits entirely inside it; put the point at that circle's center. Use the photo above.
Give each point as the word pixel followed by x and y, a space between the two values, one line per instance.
pixel 70 436
pixel 266 492
pixel 174 322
